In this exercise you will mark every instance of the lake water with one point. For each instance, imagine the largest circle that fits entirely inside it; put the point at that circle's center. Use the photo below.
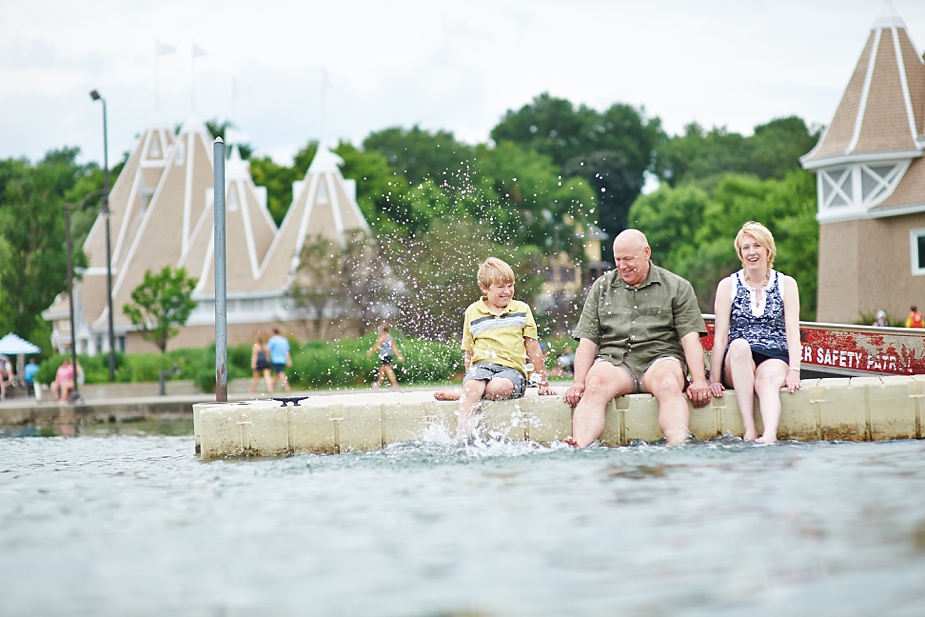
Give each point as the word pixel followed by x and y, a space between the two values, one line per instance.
pixel 126 520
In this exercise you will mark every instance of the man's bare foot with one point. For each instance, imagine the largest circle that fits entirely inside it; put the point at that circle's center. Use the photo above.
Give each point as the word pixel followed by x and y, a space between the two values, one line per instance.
pixel 677 436
pixel 448 394
pixel 767 439
pixel 570 441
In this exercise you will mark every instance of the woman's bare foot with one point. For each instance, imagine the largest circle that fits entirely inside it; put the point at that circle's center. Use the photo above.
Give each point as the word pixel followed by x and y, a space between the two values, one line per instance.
pixel 448 394
pixel 767 439
pixel 570 441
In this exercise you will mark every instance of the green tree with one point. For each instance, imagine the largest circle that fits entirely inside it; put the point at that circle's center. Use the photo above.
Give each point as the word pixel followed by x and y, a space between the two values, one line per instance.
pixel 692 233
pixel 419 155
pixel 439 275
pixel 317 287
pixel 159 302
pixel 33 263
pixel 611 151
pixel 704 157
pixel 278 179
pixel 380 190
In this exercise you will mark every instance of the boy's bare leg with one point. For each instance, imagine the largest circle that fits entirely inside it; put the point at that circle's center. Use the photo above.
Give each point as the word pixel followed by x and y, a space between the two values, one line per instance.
pixel 499 389
pixel 472 392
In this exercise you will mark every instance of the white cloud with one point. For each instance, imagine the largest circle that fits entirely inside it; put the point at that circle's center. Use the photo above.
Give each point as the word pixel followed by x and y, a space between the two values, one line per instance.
pixel 450 65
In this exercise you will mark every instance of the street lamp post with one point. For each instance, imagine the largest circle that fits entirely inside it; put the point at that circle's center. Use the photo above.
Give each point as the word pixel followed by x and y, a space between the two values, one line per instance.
pixel 95 95
pixel 75 393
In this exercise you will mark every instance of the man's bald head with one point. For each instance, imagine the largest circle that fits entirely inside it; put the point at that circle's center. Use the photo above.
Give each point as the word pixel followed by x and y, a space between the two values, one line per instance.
pixel 631 238
pixel 631 254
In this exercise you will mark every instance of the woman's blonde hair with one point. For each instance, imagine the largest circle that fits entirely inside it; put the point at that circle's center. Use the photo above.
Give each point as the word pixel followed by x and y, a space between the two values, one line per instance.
pixel 760 233
pixel 494 271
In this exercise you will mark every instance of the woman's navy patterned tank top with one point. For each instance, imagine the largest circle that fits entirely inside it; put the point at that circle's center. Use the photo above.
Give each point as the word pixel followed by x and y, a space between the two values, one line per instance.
pixel 766 330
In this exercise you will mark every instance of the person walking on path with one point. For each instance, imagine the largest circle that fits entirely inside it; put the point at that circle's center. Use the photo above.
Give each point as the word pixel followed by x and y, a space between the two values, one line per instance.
pixel 279 347
pixel 260 364
pixel 388 350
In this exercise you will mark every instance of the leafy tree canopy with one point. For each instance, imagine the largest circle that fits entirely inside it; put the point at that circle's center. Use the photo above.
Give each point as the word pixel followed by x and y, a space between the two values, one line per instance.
pixel 160 302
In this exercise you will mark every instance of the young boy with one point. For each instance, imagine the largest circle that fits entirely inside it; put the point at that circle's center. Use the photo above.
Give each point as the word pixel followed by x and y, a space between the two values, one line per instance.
pixel 498 332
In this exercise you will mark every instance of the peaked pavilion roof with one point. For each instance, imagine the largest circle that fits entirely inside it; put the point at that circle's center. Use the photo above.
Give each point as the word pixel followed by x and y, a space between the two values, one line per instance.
pixel 162 214
pixel 882 111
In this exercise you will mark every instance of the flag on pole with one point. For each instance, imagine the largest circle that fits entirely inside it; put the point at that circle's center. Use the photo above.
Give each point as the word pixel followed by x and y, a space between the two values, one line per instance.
pixel 163 49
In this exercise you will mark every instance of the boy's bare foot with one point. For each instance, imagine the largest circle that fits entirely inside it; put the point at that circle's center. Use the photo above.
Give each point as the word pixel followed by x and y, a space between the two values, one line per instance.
pixel 448 394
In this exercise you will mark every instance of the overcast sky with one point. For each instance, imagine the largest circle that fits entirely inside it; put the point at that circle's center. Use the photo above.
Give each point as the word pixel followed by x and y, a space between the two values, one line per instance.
pixel 341 69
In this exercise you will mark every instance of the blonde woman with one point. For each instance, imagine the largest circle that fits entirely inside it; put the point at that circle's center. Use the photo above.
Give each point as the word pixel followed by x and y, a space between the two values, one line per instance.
pixel 756 348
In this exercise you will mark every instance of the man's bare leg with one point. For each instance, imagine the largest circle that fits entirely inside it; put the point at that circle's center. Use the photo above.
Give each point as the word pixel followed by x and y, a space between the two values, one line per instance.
pixel 666 382
pixel 604 382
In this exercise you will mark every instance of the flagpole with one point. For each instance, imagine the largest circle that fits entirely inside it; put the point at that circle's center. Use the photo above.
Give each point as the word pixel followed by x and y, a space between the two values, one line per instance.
pixel 160 49
pixel 157 59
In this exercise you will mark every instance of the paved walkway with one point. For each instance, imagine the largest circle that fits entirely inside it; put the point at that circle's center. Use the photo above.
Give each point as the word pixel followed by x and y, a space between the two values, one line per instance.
pixel 26 410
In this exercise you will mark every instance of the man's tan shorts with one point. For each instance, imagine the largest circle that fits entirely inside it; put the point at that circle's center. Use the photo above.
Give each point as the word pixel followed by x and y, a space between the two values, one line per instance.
pixel 637 374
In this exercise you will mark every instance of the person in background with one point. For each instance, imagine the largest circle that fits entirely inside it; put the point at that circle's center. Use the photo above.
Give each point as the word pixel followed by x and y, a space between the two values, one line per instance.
pixel 880 322
pixel 756 347
pixel 914 320
pixel 64 382
pixel 278 347
pixel 260 365
pixel 388 350
pixel 28 375
pixel 6 375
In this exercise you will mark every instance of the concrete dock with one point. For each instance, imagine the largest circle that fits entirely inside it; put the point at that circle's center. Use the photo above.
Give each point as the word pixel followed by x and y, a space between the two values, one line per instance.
pixel 848 409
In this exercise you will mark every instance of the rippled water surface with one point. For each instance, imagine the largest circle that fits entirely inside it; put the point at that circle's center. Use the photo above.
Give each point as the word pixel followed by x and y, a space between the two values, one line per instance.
pixel 121 521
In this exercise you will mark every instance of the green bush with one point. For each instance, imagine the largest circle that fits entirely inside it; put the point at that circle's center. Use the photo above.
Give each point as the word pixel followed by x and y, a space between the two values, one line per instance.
pixel 316 364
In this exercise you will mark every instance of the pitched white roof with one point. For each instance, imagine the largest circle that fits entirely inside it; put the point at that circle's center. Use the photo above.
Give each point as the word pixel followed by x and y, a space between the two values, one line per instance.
pixel 882 111
pixel 162 214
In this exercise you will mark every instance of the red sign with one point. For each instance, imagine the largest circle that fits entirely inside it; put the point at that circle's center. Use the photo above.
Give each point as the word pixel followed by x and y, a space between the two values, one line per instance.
pixel 854 350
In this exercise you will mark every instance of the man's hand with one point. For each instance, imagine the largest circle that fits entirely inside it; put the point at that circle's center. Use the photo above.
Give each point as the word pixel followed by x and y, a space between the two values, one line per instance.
pixel 573 394
pixel 699 392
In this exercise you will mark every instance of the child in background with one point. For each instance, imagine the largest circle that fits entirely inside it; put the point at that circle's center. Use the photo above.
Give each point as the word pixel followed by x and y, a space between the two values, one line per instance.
pixel 498 334
pixel 388 350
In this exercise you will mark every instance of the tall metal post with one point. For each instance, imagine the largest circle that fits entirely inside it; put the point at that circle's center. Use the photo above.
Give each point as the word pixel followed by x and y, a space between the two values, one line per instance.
pixel 105 212
pixel 75 393
pixel 221 312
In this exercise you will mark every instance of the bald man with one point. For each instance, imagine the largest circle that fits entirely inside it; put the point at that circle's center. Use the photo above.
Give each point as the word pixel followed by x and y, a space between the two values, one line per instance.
pixel 639 332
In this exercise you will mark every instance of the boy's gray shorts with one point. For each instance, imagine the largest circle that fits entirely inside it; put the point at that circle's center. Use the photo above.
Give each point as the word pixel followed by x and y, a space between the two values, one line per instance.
pixel 486 371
